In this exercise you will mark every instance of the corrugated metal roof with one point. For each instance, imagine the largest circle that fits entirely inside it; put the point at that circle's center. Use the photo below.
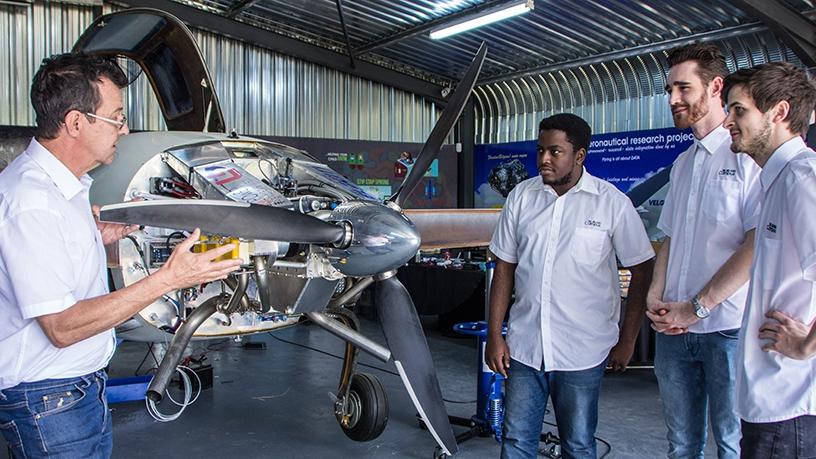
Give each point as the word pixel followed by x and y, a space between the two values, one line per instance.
pixel 556 31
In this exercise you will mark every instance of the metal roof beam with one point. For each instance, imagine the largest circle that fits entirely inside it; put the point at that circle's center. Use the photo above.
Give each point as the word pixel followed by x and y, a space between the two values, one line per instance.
pixel 414 31
pixel 238 7
pixel 292 47
pixel 794 28
pixel 719 34
pixel 345 32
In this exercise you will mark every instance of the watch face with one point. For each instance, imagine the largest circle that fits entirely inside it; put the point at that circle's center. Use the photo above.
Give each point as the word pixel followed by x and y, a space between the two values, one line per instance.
pixel 701 311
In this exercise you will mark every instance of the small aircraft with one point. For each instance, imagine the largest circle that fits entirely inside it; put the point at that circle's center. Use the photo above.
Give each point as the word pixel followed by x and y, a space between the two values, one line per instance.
pixel 312 240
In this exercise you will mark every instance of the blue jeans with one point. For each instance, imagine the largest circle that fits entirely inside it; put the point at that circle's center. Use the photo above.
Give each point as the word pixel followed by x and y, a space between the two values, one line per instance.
pixel 695 372
pixel 575 400
pixel 791 439
pixel 58 418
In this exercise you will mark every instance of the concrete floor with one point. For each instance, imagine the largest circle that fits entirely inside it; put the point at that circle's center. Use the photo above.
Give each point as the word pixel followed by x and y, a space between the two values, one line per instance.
pixel 276 403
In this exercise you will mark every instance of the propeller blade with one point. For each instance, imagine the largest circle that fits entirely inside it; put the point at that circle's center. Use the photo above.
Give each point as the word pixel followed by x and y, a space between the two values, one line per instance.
pixel 405 338
pixel 227 218
pixel 451 228
pixel 456 103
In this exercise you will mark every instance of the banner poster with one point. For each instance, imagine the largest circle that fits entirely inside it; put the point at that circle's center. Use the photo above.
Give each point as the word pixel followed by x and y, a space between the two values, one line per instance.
pixel 380 167
pixel 636 162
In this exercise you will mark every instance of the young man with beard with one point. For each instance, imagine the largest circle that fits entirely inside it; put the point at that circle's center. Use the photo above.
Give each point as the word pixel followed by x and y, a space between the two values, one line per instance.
pixel 699 284
pixel 768 111
pixel 56 336
pixel 556 242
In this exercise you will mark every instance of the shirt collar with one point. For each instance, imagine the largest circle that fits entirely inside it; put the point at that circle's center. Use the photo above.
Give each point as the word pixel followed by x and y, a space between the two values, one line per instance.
pixel 711 142
pixel 63 178
pixel 779 159
pixel 587 183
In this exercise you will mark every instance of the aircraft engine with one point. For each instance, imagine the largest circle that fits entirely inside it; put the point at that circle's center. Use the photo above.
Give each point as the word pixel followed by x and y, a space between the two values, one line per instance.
pixel 281 279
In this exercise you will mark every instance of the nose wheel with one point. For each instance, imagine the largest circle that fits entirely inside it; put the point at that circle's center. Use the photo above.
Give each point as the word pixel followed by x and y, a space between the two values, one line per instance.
pixel 361 406
pixel 363 412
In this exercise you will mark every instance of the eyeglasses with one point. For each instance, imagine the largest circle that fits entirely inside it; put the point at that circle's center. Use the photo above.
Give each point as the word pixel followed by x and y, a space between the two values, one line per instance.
pixel 118 123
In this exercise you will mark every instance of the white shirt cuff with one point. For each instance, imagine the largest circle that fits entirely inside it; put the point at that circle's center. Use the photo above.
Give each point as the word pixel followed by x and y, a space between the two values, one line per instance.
pixel 31 311
pixel 504 256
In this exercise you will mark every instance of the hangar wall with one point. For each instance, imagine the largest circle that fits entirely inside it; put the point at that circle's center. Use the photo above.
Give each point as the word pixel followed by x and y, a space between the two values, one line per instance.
pixel 619 95
pixel 261 92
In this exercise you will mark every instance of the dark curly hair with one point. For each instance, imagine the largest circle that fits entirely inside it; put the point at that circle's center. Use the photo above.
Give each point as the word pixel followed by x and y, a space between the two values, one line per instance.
pixel 578 131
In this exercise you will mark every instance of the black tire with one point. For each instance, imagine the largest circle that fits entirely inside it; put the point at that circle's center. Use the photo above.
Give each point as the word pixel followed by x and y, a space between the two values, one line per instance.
pixel 369 404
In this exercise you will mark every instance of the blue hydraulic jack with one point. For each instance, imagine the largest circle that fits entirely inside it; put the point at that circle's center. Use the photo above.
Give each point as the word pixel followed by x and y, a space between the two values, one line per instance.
pixel 489 391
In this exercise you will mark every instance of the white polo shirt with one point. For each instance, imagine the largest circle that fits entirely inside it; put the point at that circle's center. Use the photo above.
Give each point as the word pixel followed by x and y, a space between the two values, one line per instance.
pixel 567 300
pixel 713 201
pixel 51 256
pixel 771 387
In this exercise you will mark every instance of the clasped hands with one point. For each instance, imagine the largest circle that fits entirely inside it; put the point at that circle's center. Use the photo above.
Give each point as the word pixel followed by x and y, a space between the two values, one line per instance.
pixel 670 318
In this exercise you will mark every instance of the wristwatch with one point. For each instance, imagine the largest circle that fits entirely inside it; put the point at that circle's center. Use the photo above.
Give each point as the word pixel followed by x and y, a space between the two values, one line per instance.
pixel 699 309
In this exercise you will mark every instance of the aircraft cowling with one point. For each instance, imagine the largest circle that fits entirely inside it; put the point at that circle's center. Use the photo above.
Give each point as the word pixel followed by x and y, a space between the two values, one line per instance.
pixel 383 239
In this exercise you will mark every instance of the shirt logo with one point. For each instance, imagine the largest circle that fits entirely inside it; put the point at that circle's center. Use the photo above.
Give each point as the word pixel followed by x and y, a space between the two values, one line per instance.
pixel 771 228
pixel 727 172
pixel 656 202
pixel 594 223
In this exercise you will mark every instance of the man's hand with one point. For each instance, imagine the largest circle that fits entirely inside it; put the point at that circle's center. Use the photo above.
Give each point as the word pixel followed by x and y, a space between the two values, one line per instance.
pixel 788 336
pixel 111 232
pixel 620 355
pixel 671 318
pixel 185 268
pixel 497 355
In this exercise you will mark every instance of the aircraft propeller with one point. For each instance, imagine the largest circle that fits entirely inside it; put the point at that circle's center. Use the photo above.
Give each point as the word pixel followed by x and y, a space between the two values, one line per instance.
pixel 456 103
pixel 229 218
pixel 396 311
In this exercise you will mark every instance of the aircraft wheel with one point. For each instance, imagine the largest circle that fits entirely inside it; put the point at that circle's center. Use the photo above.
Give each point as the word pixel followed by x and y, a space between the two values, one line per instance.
pixel 367 408
pixel 439 454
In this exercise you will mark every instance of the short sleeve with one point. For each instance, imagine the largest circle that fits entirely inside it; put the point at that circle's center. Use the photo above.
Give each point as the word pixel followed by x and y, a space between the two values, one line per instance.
pixel 629 237
pixel 504 243
pixel 37 261
pixel 801 204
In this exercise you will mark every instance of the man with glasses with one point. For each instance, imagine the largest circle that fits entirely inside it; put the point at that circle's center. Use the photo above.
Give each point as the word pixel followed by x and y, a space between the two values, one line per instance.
pixel 57 335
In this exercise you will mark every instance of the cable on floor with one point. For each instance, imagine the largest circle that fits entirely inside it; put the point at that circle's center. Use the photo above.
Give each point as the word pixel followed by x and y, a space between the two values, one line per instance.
pixel 188 397
pixel 605 443
pixel 374 367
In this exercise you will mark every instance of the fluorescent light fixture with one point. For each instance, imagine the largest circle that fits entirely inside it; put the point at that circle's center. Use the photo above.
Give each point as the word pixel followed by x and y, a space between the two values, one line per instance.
pixel 488 17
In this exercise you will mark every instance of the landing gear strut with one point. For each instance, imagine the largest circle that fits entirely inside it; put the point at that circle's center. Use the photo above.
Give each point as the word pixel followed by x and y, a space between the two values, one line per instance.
pixel 361 405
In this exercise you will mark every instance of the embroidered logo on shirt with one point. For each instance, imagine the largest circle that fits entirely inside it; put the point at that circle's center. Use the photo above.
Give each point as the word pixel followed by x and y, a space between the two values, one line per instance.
pixel 656 202
pixel 594 223
pixel 727 172
pixel 771 228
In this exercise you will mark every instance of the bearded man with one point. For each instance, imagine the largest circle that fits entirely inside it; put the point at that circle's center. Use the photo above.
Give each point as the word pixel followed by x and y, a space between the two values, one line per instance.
pixel 699 284
pixel 768 111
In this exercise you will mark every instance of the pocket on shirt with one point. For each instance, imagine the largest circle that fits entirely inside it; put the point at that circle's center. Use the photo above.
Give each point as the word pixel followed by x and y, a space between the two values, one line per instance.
pixel 589 246
pixel 721 199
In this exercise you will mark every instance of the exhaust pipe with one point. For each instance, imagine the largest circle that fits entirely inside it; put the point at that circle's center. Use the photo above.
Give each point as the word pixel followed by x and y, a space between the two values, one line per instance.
pixel 160 381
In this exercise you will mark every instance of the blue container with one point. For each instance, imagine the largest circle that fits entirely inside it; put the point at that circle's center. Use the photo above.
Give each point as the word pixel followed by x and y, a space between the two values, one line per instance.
pixel 127 389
